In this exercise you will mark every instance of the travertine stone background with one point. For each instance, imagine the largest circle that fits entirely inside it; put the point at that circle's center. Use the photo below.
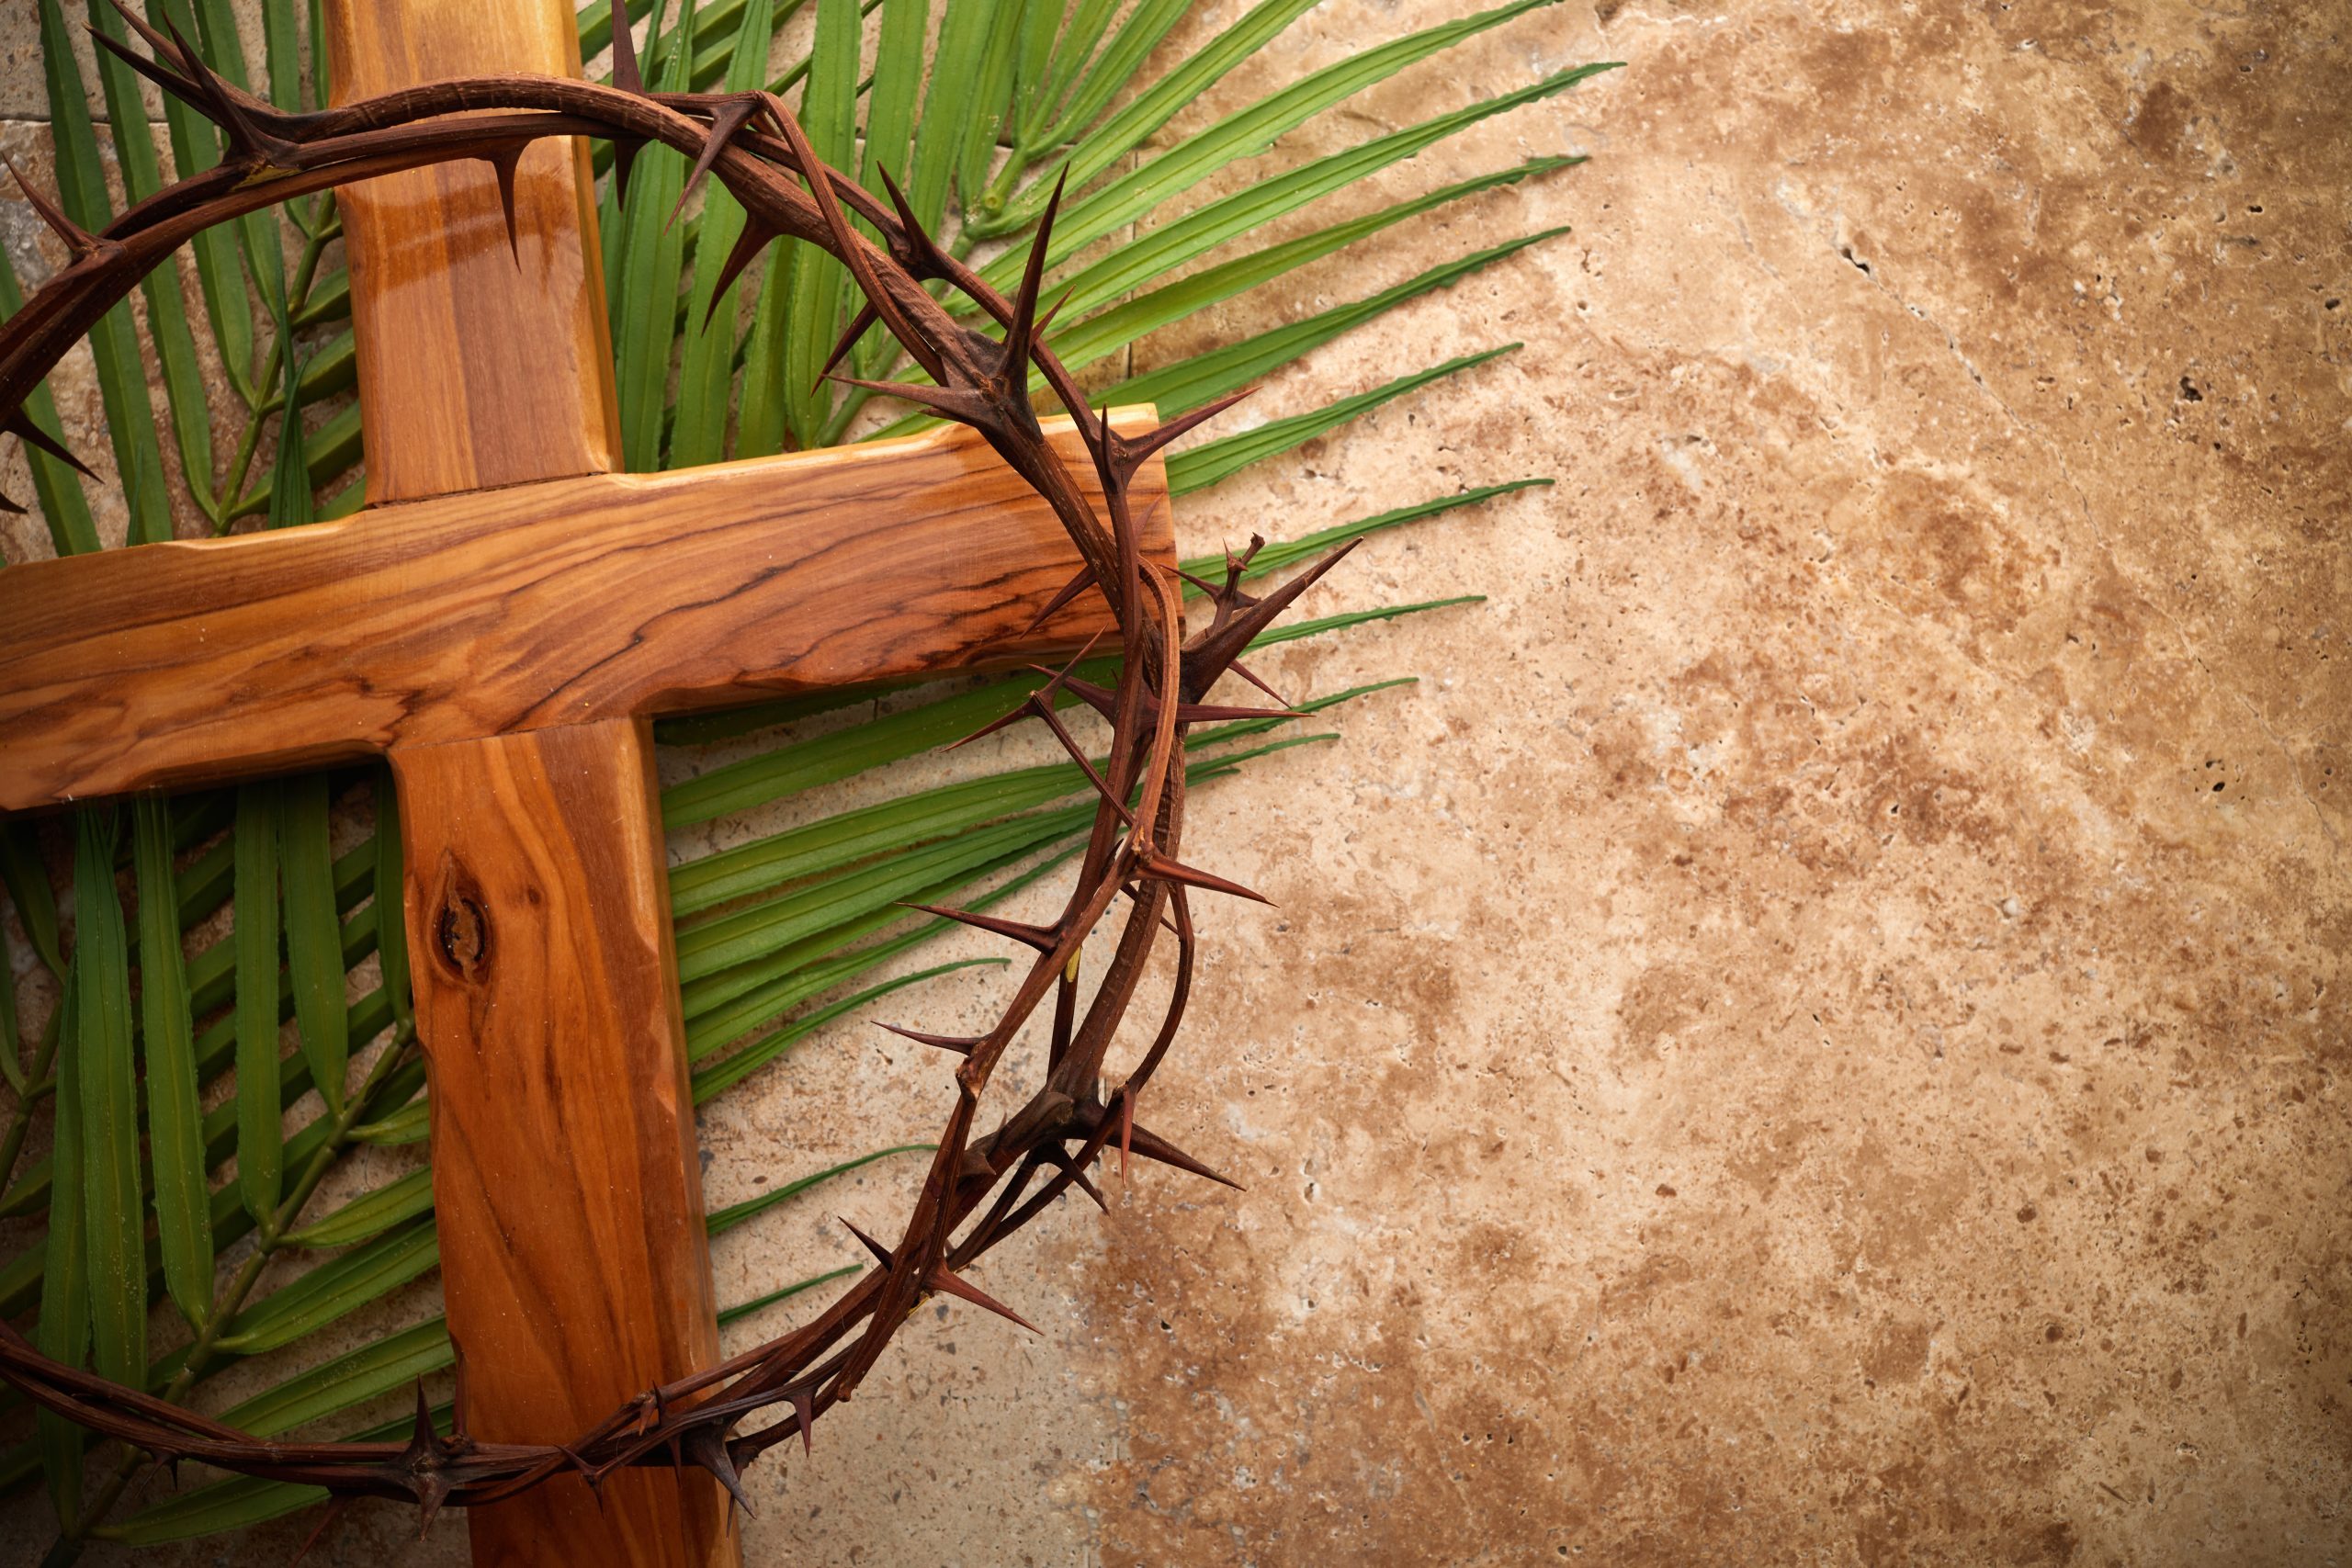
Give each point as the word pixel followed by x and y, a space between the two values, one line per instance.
pixel 1816 1032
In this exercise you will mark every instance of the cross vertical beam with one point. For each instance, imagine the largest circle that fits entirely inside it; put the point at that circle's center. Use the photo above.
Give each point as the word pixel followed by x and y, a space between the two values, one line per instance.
pixel 566 1182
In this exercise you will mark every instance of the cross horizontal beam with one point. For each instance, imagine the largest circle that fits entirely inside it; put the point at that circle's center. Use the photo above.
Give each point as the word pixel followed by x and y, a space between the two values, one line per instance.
pixel 505 611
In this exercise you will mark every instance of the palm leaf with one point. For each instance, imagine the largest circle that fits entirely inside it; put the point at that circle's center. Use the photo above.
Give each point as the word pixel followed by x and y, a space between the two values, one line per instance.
pixel 114 341
pixel 1204 465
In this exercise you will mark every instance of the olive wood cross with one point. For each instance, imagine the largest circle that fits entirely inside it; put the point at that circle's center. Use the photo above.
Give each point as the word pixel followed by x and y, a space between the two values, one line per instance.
pixel 504 621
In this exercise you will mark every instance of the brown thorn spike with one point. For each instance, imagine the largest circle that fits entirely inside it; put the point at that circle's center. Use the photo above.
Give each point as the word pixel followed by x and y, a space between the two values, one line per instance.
pixel 504 161
pixel 947 1282
pixel 1159 868
pixel 755 239
pixel 1025 326
pixel 422 1441
pixel 867 316
pixel 336 1510
pixel 588 1473
pixel 1060 1159
pixel 1135 451
pixel 144 29
pixel 1054 310
pixel 962 1045
pixel 177 85
pixel 1244 671
pixel 177 70
pixel 431 1492
pixel 1037 704
pixel 21 426
pixel 625 72
pixel 730 118
pixel 923 257
pixel 872 1245
pixel 706 1446
pixel 219 105
pixel 79 242
pixel 1152 1146
pixel 964 408
pixel 1045 939
pixel 1068 590
pixel 1209 655
pixel 625 78
pixel 804 1407
pixel 10 507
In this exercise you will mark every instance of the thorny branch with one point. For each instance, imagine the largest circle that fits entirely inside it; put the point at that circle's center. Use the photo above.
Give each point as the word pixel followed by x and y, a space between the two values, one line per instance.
pixel 978 1188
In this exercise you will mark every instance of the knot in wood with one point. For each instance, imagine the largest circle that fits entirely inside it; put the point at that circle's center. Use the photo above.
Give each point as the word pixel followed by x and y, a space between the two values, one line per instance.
pixel 461 923
pixel 463 932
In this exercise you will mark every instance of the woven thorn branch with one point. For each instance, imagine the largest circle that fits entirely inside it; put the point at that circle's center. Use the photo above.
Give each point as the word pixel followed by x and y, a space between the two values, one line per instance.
pixel 978 1188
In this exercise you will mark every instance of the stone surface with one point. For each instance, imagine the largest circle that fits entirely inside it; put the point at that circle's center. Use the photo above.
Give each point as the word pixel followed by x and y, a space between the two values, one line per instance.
pixel 1815 1033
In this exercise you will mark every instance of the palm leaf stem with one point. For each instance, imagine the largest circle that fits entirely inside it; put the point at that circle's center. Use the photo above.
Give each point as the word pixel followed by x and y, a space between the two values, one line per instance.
pixel 268 1237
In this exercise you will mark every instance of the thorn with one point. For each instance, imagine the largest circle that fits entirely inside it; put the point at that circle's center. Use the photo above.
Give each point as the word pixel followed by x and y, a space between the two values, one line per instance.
pixel 706 1447
pixel 725 122
pixel 625 77
pixel 20 425
pixel 1126 1129
pixel 1152 1146
pixel 1237 668
pixel 504 161
pixel 1038 703
pixel 1023 328
pixel 625 72
pixel 922 255
pixel 1210 654
pixel 1060 1159
pixel 422 1441
pixel 1045 939
pixel 1134 450
pixel 326 1522
pixel 946 1280
pixel 79 242
pixel 872 1245
pixel 10 507
pixel 430 1494
pixel 245 138
pixel 140 25
pixel 177 85
pixel 1052 311
pixel 1159 868
pixel 750 243
pixel 1068 590
pixel 804 1405
pixel 962 1045
pixel 867 316
pixel 589 1474
pixel 964 408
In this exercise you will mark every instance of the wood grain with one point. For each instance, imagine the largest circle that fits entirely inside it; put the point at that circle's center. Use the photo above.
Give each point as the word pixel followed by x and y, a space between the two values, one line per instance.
pixel 565 1181
pixel 610 596
pixel 481 363
pixel 565 1177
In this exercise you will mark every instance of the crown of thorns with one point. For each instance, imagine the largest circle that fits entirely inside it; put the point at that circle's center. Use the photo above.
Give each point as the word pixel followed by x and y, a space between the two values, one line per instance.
pixel 978 1188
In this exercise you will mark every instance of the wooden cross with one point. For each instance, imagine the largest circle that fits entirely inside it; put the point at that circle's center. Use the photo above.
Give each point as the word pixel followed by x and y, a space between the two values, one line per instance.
pixel 503 622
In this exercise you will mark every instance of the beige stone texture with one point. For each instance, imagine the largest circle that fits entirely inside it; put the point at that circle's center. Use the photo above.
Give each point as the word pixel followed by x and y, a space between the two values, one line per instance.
pixel 1816 1032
